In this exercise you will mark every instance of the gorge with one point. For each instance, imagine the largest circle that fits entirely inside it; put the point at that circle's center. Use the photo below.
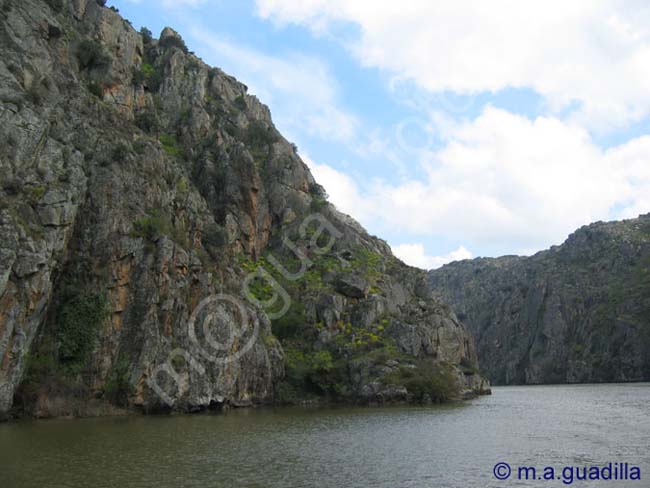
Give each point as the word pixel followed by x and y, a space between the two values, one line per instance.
pixel 137 183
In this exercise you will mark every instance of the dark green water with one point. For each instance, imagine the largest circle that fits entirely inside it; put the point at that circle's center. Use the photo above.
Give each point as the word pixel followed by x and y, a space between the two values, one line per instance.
pixel 450 446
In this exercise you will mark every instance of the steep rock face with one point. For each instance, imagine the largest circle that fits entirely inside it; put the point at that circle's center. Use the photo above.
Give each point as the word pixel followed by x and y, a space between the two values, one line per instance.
pixel 579 312
pixel 163 246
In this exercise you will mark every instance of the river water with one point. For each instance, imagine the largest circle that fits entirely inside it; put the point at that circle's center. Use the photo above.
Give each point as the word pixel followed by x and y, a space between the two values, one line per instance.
pixel 451 446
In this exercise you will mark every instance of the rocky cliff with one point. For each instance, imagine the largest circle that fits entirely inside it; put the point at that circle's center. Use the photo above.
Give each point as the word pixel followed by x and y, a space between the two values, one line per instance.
pixel 162 246
pixel 579 312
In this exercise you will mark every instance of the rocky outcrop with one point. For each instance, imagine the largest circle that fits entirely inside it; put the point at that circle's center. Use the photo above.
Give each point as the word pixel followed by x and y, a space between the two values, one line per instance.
pixel 579 312
pixel 164 247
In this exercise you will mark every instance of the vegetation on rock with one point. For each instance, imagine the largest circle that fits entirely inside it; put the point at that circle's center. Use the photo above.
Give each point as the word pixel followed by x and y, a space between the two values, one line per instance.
pixel 146 144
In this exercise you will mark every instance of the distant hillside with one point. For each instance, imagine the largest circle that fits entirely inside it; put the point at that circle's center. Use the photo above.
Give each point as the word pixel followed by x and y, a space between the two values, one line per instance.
pixel 579 312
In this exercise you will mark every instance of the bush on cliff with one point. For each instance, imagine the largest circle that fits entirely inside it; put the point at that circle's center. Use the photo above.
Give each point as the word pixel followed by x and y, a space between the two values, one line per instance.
pixel 425 382
pixel 91 55
pixel 151 227
pixel 171 41
pixel 78 320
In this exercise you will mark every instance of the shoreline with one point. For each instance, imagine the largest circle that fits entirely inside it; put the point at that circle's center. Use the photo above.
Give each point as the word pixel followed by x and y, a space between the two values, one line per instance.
pixel 102 410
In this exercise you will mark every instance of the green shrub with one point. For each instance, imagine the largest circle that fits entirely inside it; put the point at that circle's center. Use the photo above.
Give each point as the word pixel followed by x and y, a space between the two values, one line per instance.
pixel 317 204
pixel 79 318
pixel 148 70
pixel 39 367
pixel 91 55
pixel 240 102
pixel 292 324
pixel 147 121
pixel 120 152
pixel 148 75
pixel 182 187
pixel 317 190
pixel 258 138
pixel 117 387
pixel 259 134
pixel 45 376
pixel 147 35
pixel 214 236
pixel 138 77
pixel 383 354
pixel 285 392
pixel 368 263
pixel 151 227
pixel 170 145
pixel 153 77
pixel 467 366
pixel 171 41
pixel 426 382
pixel 37 193
pixel 260 288
pixel 360 339
pixel 309 371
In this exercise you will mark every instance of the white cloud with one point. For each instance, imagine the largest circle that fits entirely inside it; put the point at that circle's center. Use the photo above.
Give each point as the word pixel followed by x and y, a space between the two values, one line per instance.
pixel 414 255
pixel 505 182
pixel 300 90
pixel 595 53
pixel 341 188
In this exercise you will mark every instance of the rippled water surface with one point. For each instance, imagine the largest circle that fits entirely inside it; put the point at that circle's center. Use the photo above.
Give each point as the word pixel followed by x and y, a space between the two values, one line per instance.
pixel 448 446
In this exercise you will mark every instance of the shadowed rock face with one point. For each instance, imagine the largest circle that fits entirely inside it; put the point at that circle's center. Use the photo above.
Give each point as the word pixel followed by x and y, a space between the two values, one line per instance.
pixel 579 312
pixel 137 182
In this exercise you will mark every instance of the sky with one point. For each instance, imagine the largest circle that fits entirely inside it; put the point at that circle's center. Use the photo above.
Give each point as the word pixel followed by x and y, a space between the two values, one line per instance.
pixel 450 129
